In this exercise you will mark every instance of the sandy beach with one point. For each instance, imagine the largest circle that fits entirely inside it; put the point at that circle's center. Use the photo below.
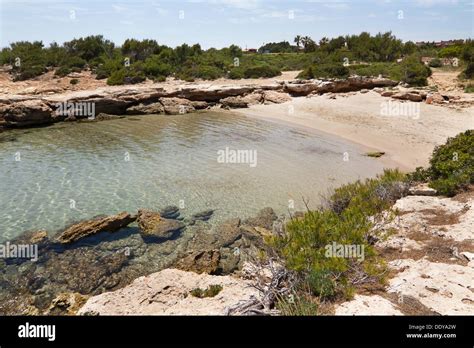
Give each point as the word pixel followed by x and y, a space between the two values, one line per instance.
pixel 408 141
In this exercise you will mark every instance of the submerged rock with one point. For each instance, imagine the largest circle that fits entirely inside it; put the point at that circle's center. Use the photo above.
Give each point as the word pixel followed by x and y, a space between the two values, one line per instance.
pixel 152 224
pixel 200 262
pixel 264 218
pixel 66 303
pixel 170 212
pixel 89 227
pixel 203 215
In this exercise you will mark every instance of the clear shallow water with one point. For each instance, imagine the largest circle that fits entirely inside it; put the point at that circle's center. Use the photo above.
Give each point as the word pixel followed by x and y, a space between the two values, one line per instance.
pixel 155 161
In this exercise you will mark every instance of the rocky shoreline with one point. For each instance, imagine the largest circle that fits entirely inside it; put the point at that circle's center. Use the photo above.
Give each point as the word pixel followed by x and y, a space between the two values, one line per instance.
pixel 29 110
pixel 107 253
pixel 167 264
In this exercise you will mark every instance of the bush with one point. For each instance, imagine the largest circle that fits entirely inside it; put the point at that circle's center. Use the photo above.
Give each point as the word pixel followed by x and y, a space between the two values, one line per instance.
pixel 125 76
pixel 348 220
pixel 154 67
pixel 414 72
pixel 236 73
pixel 325 70
pixel 261 71
pixel 436 63
pixel 452 164
pixel 211 291
pixel 469 88
pixel 468 73
pixel 74 81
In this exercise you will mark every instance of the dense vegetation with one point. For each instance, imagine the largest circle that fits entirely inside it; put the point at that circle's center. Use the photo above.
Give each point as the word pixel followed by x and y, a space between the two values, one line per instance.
pixel 137 60
pixel 349 219
pixel 451 166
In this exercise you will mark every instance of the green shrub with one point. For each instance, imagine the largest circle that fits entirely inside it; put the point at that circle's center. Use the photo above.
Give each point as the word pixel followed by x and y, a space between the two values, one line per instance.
pixel 348 220
pixel 236 73
pixel 261 71
pixel 452 164
pixel 413 71
pixel 326 70
pixel 74 81
pixel 63 71
pixel 211 291
pixel 468 73
pixel 436 63
pixel 126 76
pixel 154 67
pixel 469 88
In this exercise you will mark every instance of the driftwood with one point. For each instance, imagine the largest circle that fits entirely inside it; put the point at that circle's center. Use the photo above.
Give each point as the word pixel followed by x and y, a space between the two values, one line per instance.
pixel 273 281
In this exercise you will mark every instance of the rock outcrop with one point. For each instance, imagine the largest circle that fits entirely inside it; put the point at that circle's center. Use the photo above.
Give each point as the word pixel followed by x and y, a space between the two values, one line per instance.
pixel 200 262
pixel 431 274
pixel 35 109
pixel 27 113
pixel 152 224
pixel 90 227
pixel 168 292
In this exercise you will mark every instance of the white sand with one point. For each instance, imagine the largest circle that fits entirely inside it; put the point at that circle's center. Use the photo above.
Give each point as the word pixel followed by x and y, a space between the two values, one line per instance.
pixel 407 141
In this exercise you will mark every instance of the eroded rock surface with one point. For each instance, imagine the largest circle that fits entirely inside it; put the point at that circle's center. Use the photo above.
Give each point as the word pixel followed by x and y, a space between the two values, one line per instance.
pixel 168 292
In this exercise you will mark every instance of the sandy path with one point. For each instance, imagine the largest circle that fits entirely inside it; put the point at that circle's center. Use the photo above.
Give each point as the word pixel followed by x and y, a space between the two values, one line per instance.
pixel 407 141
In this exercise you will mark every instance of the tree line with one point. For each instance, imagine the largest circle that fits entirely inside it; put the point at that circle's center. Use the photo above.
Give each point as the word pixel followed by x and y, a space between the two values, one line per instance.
pixel 135 60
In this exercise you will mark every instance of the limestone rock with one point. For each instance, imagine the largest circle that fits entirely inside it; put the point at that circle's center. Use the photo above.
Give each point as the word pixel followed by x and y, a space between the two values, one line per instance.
pixel 86 228
pixel 152 224
pixel 422 190
pixel 170 212
pixel 146 109
pixel 411 96
pixel 368 305
pixel 203 215
pixel 174 106
pixel 27 113
pixel 66 303
pixel 274 97
pixel 168 293
pixel 264 218
pixel 200 262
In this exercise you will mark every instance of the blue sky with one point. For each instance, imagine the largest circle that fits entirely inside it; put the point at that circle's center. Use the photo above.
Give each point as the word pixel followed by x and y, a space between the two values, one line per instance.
pixel 218 23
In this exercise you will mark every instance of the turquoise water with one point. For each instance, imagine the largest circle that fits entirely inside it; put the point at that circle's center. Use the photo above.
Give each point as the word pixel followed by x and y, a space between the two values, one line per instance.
pixel 52 176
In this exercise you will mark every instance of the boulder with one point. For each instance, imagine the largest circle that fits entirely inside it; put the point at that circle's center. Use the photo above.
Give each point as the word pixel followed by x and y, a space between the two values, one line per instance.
pixel 39 237
pixel 411 96
pixel 146 109
pixel 66 303
pixel 203 215
pixel 422 190
pixel 200 262
pixel 174 106
pixel 388 93
pixel 152 224
pixel 27 113
pixel 170 212
pixel 264 218
pixel 99 224
pixel 242 101
pixel 274 97
pixel 434 98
